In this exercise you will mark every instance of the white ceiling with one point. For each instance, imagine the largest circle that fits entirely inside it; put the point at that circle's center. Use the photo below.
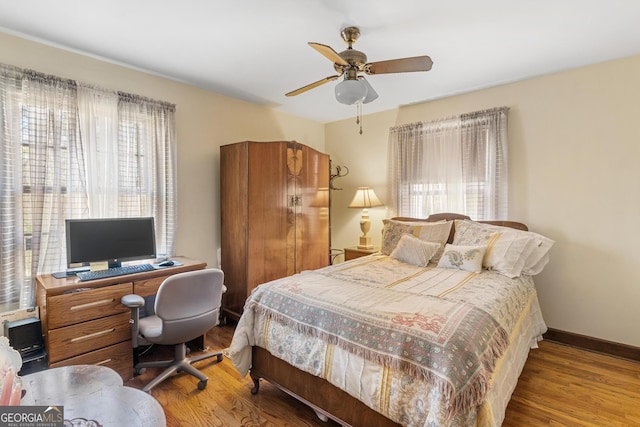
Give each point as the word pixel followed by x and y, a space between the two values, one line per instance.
pixel 257 50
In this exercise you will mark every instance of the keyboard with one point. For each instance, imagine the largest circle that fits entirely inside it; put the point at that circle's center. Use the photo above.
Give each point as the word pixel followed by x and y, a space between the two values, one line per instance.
pixel 113 272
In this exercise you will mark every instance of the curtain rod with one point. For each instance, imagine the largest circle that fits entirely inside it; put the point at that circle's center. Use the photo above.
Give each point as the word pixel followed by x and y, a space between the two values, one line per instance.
pixel 442 121
pixel 43 77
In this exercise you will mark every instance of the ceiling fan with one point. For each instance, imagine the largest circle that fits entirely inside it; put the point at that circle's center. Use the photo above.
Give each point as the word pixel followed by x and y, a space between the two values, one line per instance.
pixel 350 63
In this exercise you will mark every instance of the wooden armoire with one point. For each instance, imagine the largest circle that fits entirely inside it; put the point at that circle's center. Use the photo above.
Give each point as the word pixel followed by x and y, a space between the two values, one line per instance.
pixel 274 201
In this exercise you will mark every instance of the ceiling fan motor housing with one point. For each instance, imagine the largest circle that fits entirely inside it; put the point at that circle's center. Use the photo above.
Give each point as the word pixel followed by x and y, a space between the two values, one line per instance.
pixel 354 57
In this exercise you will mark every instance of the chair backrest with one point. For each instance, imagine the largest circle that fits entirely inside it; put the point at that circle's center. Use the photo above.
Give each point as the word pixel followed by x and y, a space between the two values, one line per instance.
pixel 189 304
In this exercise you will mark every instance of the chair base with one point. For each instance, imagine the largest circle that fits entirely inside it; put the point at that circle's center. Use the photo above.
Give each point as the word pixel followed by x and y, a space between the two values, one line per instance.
pixel 180 363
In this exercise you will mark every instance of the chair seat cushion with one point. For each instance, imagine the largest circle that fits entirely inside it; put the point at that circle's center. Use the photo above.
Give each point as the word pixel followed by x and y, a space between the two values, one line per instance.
pixel 150 327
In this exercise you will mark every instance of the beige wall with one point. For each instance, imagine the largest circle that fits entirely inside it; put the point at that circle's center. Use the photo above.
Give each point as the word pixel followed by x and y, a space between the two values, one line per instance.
pixel 204 121
pixel 574 147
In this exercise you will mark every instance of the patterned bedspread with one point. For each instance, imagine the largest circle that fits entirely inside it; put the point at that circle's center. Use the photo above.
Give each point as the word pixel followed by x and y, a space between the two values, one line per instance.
pixel 445 327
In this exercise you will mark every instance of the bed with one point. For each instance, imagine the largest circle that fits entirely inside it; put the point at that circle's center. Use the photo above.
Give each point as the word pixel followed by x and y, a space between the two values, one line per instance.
pixel 433 330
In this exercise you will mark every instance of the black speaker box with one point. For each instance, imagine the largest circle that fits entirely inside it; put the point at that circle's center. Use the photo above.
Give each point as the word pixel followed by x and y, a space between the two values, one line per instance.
pixel 34 362
pixel 25 336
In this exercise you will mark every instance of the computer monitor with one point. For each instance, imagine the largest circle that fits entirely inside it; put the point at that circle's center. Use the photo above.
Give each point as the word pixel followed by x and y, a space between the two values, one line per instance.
pixel 111 240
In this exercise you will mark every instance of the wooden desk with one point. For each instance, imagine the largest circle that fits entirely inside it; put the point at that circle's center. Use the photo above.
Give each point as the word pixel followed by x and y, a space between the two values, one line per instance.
pixel 85 323
pixel 92 393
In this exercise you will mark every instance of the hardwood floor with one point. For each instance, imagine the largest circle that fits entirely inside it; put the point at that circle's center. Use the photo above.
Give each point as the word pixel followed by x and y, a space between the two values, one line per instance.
pixel 560 386
pixel 565 386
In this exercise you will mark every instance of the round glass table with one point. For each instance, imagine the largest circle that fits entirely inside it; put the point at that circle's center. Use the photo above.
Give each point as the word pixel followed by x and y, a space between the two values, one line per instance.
pixel 92 395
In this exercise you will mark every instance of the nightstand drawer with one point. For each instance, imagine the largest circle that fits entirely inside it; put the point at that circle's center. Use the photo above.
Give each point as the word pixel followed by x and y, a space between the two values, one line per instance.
pixel 355 252
pixel 76 307
pixel 73 340
pixel 118 357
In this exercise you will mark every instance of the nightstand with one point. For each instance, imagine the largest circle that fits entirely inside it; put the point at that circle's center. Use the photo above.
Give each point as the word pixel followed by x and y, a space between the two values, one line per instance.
pixel 355 252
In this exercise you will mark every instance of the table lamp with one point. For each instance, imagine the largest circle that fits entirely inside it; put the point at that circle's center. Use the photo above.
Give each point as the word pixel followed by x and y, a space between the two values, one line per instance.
pixel 365 198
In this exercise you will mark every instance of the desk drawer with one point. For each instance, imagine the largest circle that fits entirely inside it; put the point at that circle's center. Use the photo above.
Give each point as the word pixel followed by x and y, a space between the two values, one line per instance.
pixel 73 340
pixel 76 307
pixel 118 357
pixel 147 287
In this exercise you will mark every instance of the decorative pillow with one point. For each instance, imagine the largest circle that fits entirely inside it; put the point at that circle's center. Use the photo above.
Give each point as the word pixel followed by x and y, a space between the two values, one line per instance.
pixel 393 230
pixel 413 250
pixel 471 232
pixel 437 232
pixel 467 258
pixel 508 249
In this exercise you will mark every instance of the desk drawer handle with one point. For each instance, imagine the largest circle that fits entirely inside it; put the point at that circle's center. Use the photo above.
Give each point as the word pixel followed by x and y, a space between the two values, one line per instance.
pixel 92 304
pixel 104 362
pixel 93 335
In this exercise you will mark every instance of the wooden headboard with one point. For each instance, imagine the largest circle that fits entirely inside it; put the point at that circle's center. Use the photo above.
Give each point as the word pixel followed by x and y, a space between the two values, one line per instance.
pixel 452 216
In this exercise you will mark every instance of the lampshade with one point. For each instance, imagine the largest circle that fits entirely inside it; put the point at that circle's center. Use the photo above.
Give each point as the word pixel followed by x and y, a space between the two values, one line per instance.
pixel 365 198
pixel 350 91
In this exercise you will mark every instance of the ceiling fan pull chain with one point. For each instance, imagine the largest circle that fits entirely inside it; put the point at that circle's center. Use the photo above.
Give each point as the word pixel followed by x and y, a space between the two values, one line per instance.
pixel 359 115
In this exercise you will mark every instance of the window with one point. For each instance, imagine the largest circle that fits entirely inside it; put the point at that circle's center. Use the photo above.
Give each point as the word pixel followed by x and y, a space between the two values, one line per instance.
pixel 74 151
pixel 452 165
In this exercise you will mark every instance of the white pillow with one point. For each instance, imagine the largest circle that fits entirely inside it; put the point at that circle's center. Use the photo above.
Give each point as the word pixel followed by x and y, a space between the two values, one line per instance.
pixel 508 249
pixel 537 267
pixel 413 250
pixel 539 256
pixel 467 258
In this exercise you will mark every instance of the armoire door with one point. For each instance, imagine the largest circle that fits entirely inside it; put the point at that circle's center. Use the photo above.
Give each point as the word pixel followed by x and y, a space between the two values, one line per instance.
pixel 267 245
pixel 310 242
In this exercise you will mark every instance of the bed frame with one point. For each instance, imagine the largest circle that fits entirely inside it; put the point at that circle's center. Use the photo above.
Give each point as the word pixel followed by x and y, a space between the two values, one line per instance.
pixel 327 400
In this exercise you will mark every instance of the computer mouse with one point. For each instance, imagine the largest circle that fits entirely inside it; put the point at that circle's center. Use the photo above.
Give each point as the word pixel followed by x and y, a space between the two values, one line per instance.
pixel 167 263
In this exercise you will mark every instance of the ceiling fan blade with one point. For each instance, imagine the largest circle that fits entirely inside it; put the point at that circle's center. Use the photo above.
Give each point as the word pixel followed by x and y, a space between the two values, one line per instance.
pixel 328 53
pixel 404 65
pixel 311 86
pixel 372 95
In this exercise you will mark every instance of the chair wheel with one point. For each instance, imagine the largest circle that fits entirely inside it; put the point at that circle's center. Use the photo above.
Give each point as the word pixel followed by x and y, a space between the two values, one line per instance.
pixel 139 371
pixel 202 385
pixel 220 357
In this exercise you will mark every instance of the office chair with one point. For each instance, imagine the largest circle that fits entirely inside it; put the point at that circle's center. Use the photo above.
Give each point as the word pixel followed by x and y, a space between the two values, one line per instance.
pixel 186 306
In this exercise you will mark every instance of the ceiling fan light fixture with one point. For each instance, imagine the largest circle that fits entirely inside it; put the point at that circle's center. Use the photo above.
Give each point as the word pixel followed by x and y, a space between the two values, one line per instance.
pixel 350 91
pixel 372 95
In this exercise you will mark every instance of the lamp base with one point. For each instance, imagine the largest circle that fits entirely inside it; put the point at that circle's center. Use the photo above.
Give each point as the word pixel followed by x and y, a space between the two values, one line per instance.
pixel 365 243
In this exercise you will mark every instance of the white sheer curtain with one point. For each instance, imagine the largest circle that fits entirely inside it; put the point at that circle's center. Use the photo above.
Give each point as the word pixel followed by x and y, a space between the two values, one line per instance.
pixel 147 165
pixel 425 169
pixel 98 111
pixel 11 233
pixel 484 163
pixel 47 138
pixel 458 164
pixel 70 150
